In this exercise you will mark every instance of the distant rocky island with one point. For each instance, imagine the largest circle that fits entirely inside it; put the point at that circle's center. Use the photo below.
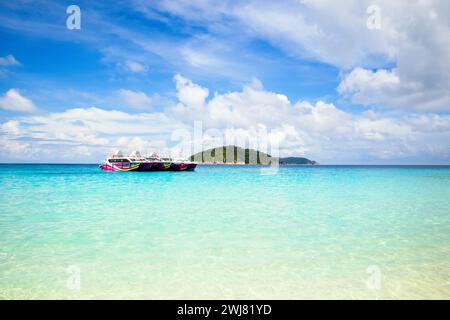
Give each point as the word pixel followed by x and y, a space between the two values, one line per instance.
pixel 240 156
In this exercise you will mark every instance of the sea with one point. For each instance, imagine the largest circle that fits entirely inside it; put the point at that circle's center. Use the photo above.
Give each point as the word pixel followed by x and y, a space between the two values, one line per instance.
pixel 225 232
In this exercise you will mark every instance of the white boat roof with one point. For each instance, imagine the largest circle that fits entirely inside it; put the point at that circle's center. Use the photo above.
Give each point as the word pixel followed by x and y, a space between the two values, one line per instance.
pixel 116 154
pixel 135 154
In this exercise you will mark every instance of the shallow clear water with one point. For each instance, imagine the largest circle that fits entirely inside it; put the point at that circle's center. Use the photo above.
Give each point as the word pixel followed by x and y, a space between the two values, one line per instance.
pixel 225 232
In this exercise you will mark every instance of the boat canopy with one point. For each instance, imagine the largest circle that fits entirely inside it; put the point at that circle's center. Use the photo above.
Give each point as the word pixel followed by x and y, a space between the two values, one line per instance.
pixel 116 154
pixel 135 154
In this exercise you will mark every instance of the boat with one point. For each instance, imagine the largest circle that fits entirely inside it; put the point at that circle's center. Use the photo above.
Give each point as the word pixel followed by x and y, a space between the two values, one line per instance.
pixel 136 162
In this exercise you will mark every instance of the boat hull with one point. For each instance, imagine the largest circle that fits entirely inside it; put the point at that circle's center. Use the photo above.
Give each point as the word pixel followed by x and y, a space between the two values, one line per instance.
pixel 149 166
pixel 182 167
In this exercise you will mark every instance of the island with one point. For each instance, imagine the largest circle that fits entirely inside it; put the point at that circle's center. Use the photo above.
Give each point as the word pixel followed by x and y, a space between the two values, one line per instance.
pixel 234 155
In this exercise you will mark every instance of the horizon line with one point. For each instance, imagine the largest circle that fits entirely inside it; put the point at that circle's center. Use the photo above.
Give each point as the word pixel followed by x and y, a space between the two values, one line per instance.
pixel 218 164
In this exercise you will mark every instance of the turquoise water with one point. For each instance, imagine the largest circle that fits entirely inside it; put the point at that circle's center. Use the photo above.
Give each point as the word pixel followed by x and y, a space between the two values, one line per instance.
pixel 73 231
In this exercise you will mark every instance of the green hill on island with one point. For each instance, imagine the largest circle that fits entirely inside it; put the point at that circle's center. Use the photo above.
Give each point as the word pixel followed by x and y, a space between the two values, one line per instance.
pixel 238 155
pixel 296 160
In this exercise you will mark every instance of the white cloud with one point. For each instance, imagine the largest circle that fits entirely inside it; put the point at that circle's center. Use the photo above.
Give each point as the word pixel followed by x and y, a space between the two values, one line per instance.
pixel 83 134
pixel 387 89
pixel 12 100
pixel 364 86
pixel 198 59
pixel 135 99
pixel 322 30
pixel 9 60
pixel 135 67
pixel 412 45
pixel 320 131
pixel 190 93
pixel 374 81
pixel 413 37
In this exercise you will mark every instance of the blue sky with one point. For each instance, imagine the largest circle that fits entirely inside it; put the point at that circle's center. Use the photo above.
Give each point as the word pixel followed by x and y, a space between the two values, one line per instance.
pixel 379 104
pixel 88 60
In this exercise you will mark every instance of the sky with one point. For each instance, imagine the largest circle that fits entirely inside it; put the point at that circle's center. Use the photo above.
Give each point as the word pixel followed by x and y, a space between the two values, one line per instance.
pixel 359 82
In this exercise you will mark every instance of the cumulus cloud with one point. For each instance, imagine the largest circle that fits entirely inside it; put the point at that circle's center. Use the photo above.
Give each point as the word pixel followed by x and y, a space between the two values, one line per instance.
pixel 9 60
pixel 317 130
pixel 365 86
pixel 135 99
pixel 386 88
pixel 321 130
pixel 190 93
pixel 418 37
pixel 83 134
pixel 12 100
pixel 412 47
pixel 252 105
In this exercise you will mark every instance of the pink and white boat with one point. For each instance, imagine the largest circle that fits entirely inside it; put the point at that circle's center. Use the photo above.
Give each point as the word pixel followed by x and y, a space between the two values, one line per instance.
pixel 136 162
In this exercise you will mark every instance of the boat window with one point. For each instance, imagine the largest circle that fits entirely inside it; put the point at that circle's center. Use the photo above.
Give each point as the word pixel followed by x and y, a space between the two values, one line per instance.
pixel 119 160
